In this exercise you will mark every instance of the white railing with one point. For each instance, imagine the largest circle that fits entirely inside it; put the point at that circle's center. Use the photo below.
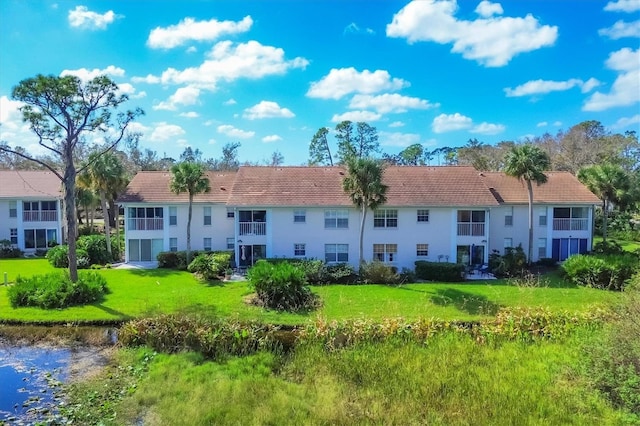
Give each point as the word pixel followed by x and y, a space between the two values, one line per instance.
pixel 473 229
pixel 253 228
pixel 576 224
pixel 143 224
pixel 40 216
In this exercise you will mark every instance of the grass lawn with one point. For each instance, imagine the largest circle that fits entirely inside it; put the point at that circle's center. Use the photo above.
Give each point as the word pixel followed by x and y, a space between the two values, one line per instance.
pixel 137 293
pixel 626 245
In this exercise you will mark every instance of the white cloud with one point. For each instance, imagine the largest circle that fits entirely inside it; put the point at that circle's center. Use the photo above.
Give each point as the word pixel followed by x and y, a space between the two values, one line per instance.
pixel 164 131
pixel 398 139
pixel 389 102
pixel 271 138
pixel 623 6
pixel 450 122
pixel 625 122
pixel 189 114
pixel 341 82
pixel 356 116
pixel 537 87
pixel 183 96
pixel 267 109
pixel 230 102
pixel 353 28
pixel 191 30
pixel 486 9
pixel 228 61
pixel 396 124
pixel 625 88
pixel 128 89
pixel 621 29
pixel 212 142
pixel 542 124
pixel 82 17
pixel 489 40
pixel 12 129
pixel 485 128
pixel 149 79
pixel 233 132
pixel 85 74
pixel 557 123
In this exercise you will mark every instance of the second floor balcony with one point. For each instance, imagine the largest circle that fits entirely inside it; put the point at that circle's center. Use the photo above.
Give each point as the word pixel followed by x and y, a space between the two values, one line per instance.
pixel 571 224
pixel 145 224
pixel 40 216
pixel 252 228
pixel 471 229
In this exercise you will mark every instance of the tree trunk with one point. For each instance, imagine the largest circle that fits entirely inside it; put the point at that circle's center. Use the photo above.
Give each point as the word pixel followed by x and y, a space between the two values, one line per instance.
pixel 70 208
pixel 530 190
pixel 361 251
pixel 604 220
pixel 189 229
pixel 107 228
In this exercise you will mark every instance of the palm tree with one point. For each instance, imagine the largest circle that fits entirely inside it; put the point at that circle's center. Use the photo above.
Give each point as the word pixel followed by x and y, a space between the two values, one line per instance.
pixel 609 182
pixel 528 163
pixel 364 185
pixel 191 178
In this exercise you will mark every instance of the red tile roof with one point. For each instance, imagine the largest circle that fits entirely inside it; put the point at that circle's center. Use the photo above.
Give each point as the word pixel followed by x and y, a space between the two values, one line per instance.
pixel 561 188
pixel 29 184
pixel 153 187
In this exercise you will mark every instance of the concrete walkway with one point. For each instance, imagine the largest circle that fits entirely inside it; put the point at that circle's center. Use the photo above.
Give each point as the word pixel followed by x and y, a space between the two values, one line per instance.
pixel 136 265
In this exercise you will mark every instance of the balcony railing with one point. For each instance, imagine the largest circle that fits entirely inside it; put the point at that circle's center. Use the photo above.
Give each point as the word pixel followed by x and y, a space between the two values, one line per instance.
pixel 473 229
pixel 576 224
pixel 40 216
pixel 253 228
pixel 143 224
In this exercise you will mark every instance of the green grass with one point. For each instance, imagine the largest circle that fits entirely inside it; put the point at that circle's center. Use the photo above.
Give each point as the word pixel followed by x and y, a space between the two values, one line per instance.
pixel 136 293
pixel 453 380
pixel 630 246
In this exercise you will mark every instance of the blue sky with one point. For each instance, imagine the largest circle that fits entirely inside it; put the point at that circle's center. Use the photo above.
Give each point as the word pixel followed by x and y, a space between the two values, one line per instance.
pixel 269 74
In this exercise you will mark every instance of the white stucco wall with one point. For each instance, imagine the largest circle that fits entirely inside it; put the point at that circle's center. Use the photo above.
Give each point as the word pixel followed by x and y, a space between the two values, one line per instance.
pixel 7 223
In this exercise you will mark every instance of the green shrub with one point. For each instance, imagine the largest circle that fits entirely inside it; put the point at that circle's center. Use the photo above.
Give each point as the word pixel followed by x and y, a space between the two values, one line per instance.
pixel 96 247
pixel 439 271
pixel 175 259
pixel 608 247
pixel 377 272
pixel 547 261
pixel 317 272
pixel 605 272
pixel 210 266
pixel 341 273
pixel 512 264
pixel 55 290
pixel 7 251
pixel 281 286
pixel 58 256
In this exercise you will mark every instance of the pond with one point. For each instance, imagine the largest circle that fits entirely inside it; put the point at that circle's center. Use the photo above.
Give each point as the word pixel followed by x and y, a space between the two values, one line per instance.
pixel 32 378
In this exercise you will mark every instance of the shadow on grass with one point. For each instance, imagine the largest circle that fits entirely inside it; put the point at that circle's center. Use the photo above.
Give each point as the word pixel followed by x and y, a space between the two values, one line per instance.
pixel 118 314
pixel 472 304
pixel 156 273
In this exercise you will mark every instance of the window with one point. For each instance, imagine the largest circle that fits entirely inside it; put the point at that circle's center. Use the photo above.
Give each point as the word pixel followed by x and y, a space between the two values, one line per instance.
pixel 336 253
pixel 14 236
pixel 48 205
pixel 423 215
pixel 542 248
pixel 207 215
pixel 145 218
pixel 299 216
pixel 422 250
pixel 38 238
pixel 542 219
pixel 471 222
pixel 508 243
pixel 508 217
pixel 173 244
pixel 173 216
pixel 230 213
pixel 299 249
pixel 336 219
pixel 385 252
pixel 385 219
pixel 207 244
pixel 13 209
pixel 231 244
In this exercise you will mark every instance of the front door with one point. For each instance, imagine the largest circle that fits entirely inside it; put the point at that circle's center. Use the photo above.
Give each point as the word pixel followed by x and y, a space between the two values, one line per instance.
pixel 250 254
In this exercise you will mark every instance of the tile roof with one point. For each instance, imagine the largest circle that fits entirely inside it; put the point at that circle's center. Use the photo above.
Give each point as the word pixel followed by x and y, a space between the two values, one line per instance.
pixel 561 188
pixel 29 184
pixel 153 187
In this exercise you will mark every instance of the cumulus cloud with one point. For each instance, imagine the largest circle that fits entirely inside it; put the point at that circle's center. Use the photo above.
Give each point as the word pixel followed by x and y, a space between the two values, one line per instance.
pixel 353 28
pixel 485 128
pixel 491 41
pixel 621 29
pixel 85 74
pixel 189 114
pixel 343 81
pixel 183 96
pixel 271 138
pixel 233 132
pixel 625 88
pixel 623 6
pixel 230 102
pixel 82 17
pixel 396 124
pixel 267 109
pixel 356 116
pixel 542 124
pixel 538 87
pixel 163 132
pixel 389 102
pixel 228 61
pixel 450 122
pixel 398 139
pixel 625 122
pixel 189 30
